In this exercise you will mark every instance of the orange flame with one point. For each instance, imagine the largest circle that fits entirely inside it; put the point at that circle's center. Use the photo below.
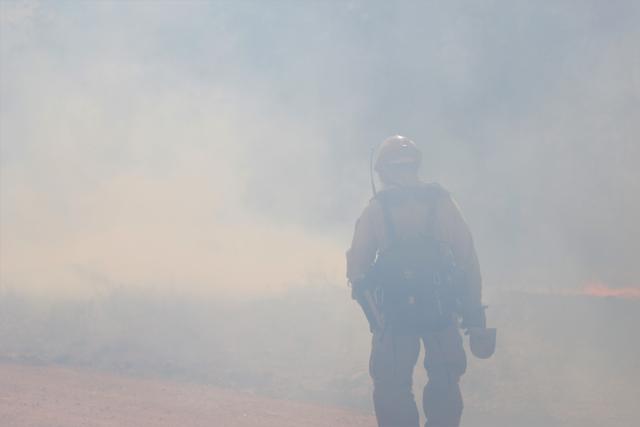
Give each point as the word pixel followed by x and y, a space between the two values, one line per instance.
pixel 601 291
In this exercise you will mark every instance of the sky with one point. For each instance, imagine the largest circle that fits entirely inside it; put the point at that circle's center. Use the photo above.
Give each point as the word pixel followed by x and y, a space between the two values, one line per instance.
pixel 224 146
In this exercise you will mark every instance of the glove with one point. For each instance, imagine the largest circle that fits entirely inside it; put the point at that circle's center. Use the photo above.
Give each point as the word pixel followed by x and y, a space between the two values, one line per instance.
pixel 372 314
pixel 474 317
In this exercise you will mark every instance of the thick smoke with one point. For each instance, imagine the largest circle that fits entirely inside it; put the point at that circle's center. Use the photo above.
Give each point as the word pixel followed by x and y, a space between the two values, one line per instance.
pixel 145 143
pixel 153 150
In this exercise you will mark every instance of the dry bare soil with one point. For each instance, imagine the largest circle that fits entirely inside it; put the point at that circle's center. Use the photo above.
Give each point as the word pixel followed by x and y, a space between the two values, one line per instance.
pixel 561 361
pixel 49 396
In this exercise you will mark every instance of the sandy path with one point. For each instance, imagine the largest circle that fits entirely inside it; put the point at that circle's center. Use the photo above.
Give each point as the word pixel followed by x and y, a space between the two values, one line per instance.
pixel 45 396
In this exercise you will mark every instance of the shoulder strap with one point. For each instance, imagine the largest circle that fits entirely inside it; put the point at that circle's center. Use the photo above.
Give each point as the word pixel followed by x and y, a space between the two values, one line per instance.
pixel 433 192
pixel 431 218
pixel 390 228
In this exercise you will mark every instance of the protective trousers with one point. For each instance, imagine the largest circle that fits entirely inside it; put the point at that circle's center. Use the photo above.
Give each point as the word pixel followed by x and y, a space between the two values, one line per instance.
pixel 393 358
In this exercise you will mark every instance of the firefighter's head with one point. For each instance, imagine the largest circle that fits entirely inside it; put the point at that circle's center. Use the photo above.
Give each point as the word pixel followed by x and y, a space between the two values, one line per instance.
pixel 398 160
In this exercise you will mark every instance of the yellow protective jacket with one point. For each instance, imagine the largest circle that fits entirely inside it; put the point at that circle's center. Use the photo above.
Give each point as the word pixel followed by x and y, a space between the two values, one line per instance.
pixel 370 237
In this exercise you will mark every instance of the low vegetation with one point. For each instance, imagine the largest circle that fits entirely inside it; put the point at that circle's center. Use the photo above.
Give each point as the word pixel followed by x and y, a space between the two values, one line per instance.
pixel 561 360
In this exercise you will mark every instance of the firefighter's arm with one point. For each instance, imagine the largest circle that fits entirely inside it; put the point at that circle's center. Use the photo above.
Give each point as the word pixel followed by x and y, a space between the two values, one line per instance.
pixel 359 259
pixel 363 247
pixel 459 237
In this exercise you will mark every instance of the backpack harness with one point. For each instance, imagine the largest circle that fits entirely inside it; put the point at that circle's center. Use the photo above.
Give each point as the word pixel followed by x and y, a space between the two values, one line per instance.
pixel 413 279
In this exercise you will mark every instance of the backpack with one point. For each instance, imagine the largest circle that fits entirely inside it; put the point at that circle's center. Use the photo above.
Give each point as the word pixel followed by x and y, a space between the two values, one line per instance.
pixel 413 279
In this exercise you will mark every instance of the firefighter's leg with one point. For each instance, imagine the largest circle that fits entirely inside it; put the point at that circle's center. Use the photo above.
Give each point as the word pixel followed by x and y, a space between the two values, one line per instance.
pixel 393 357
pixel 445 362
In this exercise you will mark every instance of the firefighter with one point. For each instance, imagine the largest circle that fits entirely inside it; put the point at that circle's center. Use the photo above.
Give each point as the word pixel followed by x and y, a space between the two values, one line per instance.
pixel 413 269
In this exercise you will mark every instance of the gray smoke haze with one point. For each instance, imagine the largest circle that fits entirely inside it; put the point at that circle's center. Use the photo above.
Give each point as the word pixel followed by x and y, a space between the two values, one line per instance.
pixel 148 143
pixel 150 151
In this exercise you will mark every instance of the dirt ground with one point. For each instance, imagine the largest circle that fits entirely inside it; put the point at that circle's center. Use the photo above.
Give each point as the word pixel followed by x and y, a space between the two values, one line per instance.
pixel 49 396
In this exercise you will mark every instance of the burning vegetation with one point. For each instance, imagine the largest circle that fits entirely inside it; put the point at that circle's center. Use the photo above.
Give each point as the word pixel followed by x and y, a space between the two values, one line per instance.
pixel 601 290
